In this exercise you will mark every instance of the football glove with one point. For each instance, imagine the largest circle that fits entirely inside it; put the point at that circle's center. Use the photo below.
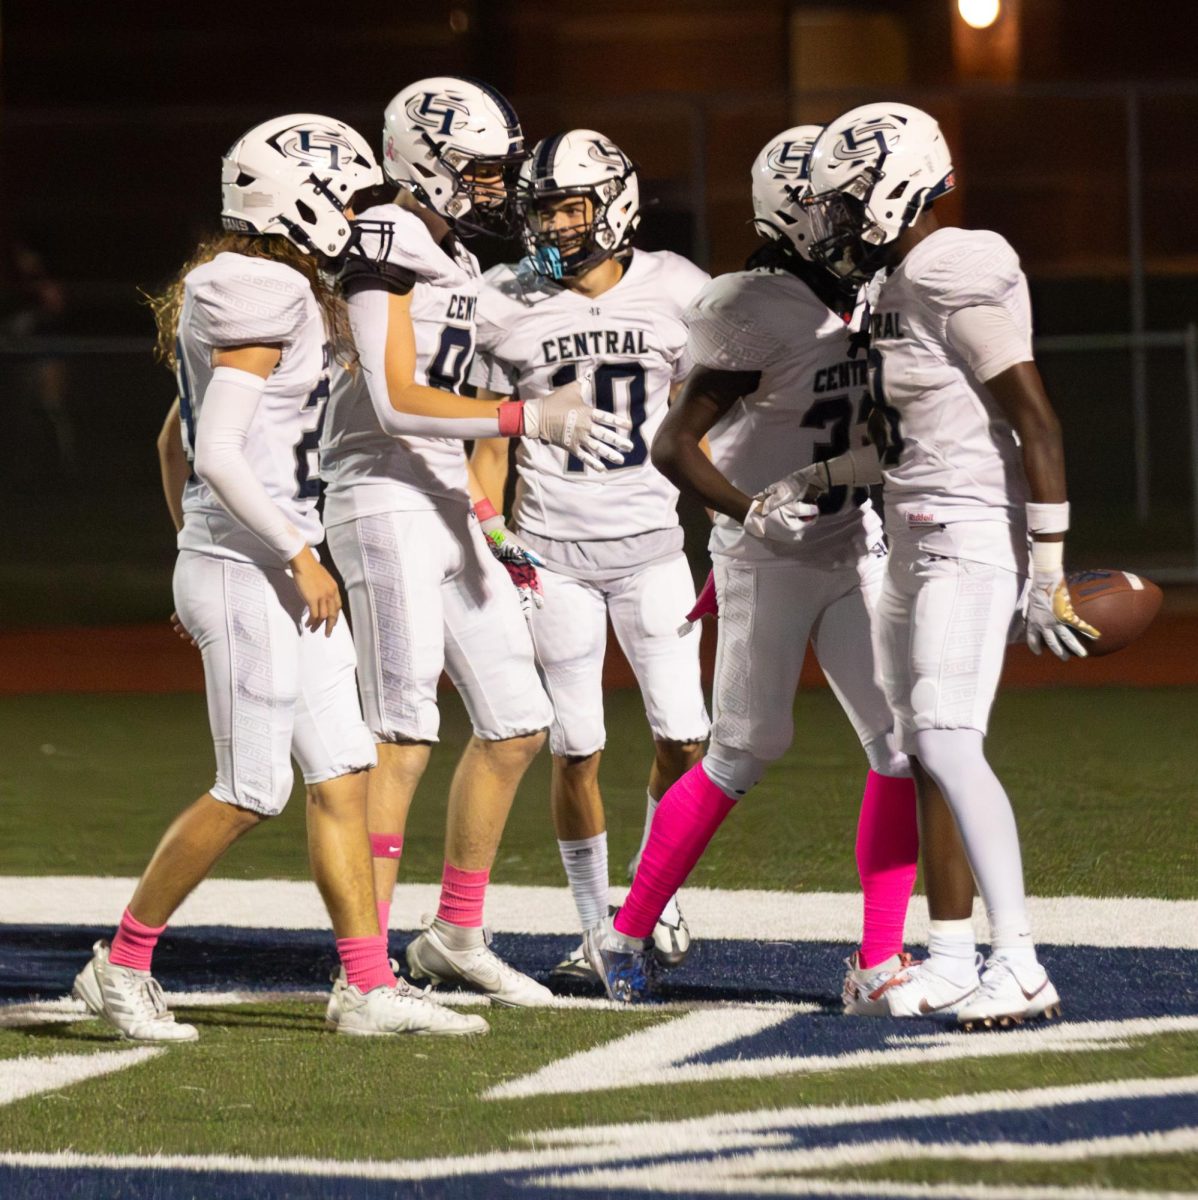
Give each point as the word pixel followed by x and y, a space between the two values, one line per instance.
pixel 855 468
pixel 566 418
pixel 1051 620
pixel 516 558
pixel 786 524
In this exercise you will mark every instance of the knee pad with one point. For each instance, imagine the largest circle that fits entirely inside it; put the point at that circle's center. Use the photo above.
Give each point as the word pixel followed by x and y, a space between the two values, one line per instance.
pixel 735 772
pixel 885 758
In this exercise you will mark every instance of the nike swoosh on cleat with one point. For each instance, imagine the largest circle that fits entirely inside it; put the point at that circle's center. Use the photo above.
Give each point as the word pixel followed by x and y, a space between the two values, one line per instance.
pixel 925 1007
pixel 1032 995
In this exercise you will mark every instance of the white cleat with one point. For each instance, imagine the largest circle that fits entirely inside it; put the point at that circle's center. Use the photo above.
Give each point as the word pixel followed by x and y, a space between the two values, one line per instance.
pixel 574 969
pixel 384 1011
pixel 671 939
pixel 1010 994
pixel 923 992
pixel 478 968
pixel 864 991
pixel 130 1001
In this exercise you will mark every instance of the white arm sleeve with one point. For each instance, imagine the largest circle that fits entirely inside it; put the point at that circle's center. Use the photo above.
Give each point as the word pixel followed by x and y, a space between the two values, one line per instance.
pixel 368 316
pixel 989 340
pixel 230 402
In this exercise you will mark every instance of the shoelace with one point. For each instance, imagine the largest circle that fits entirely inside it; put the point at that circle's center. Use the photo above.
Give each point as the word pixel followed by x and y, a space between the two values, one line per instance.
pixel 996 976
pixel 150 1001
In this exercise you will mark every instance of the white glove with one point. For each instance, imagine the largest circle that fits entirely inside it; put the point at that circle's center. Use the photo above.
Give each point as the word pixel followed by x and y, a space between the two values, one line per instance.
pixel 855 468
pixel 566 418
pixel 1051 620
pixel 517 559
pixel 805 484
pixel 786 524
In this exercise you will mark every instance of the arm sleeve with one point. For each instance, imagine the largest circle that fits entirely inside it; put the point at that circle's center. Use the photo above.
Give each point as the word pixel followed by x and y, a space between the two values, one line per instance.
pixel 988 339
pixel 230 402
pixel 368 317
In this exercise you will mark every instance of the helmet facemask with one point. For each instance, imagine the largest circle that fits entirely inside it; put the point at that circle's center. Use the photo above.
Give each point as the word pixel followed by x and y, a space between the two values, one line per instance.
pixel 565 249
pixel 847 239
pixel 481 189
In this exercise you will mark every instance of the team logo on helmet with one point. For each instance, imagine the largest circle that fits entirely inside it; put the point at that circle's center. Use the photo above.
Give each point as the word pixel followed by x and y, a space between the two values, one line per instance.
pixel 791 160
pixel 860 141
pixel 438 111
pixel 314 146
pixel 606 154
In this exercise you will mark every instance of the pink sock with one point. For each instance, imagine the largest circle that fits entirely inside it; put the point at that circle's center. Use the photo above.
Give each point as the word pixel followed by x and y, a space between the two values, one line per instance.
pixel 133 945
pixel 687 816
pixel 887 857
pixel 365 962
pixel 462 896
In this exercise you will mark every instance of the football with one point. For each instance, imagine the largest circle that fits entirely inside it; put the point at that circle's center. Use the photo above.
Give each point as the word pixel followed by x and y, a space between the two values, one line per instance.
pixel 1118 604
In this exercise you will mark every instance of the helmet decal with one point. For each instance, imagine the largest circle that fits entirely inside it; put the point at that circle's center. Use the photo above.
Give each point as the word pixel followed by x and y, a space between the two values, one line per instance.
pixel 315 147
pixel 438 111
pixel 791 160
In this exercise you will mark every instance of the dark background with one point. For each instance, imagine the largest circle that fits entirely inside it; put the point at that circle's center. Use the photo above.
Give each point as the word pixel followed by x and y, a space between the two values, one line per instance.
pixel 1067 119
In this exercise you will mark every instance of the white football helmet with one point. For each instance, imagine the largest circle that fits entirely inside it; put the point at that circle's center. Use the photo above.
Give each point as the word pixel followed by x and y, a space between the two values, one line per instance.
pixel 456 145
pixel 295 176
pixel 873 171
pixel 780 178
pixel 578 163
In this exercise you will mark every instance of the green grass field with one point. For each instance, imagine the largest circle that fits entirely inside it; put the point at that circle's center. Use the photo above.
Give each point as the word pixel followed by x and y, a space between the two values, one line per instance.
pixel 1104 783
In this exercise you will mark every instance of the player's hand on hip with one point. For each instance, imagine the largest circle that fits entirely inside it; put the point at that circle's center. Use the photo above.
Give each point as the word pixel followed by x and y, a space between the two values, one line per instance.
pixel 517 559
pixel 1051 620
pixel 319 591
pixel 806 484
pixel 566 418
pixel 786 525
pixel 181 629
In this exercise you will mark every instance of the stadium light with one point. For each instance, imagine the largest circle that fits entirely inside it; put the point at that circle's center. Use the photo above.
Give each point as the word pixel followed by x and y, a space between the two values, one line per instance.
pixel 979 14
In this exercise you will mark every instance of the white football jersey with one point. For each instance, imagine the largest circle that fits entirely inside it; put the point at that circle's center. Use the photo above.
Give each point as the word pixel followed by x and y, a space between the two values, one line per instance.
pixel 811 398
pixel 959 458
pixel 366 471
pixel 237 300
pixel 535 335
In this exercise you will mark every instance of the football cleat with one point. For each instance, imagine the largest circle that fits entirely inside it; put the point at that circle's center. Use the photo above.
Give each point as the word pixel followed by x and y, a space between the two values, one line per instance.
pixel 1010 993
pixel 626 974
pixel 575 969
pixel 671 939
pixel 864 991
pixel 923 992
pixel 478 968
pixel 385 1011
pixel 130 1001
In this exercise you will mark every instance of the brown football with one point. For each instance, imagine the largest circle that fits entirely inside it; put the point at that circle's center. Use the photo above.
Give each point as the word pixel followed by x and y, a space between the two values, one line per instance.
pixel 1118 604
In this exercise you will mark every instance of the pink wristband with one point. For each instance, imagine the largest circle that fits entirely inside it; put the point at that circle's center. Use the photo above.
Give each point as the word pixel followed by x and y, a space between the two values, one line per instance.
pixel 484 510
pixel 511 418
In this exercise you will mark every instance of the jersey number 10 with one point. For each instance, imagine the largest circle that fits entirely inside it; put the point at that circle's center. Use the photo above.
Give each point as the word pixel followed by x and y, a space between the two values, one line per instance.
pixel 616 384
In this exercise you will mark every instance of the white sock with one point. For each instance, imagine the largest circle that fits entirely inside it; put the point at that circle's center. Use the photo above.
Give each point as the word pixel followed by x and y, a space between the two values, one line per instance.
pixel 650 809
pixel 952 953
pixel 585 860
pixel 1011 938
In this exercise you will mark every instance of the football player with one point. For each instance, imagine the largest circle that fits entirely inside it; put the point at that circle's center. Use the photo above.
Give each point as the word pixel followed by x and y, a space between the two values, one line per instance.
pixel 776 380
pixel 585 304
pixel 981 467
pixel 249 325
pixel 425 591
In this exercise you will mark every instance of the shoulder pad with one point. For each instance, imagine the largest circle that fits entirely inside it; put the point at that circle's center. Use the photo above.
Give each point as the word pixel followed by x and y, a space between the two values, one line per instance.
pixel 242 300
pixel 964 268
pixel 391 236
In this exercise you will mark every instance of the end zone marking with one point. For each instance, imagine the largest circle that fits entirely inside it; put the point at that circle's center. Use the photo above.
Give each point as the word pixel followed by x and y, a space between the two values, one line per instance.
pixel 735 915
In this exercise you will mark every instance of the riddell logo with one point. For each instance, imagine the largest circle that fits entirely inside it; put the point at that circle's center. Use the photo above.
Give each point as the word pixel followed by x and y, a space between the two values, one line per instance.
pixel 921 518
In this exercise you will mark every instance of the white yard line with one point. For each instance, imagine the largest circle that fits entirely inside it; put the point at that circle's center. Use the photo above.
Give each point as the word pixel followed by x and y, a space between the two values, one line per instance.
pixel 744 915
pixel 748 1132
